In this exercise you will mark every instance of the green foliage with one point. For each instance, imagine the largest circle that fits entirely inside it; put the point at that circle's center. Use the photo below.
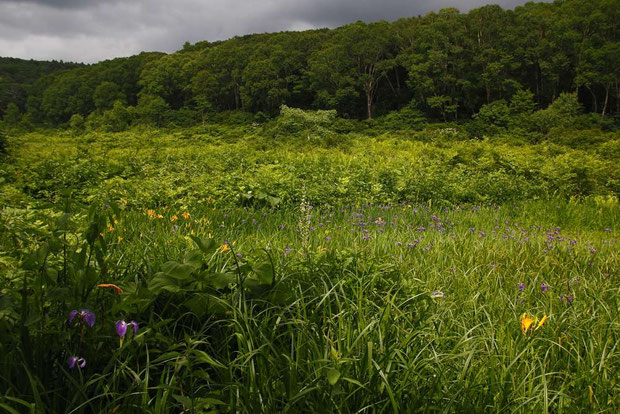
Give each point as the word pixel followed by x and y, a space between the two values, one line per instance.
pixel 152 110
pixel 77 123
pixel 447 64
pixel 12 115
pixel 327 314
pixel 522 102
pixel 497 113
pixel 407 118
pixel 3 143
pixel 561 113
pixel 297 122
pixel 117 118
pixel 106 95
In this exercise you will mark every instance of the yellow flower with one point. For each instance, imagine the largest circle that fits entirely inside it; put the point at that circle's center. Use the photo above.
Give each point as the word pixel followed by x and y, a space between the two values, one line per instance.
pixel 151 213
pixel 526 323
pixel 531 324
pixel 185 215
pixel 224 248
pixel 159 216
pixel 174 218
pixel 110 228
pixel 544 318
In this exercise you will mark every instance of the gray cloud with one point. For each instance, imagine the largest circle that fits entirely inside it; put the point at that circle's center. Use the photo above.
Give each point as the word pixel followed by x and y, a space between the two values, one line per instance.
pixel 92 30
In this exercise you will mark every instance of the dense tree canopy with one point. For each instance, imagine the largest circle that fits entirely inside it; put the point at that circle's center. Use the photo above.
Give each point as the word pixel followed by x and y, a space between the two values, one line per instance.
pixel 446 64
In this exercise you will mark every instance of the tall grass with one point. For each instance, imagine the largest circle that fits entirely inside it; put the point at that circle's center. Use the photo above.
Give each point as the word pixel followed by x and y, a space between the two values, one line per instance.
pixel 350 308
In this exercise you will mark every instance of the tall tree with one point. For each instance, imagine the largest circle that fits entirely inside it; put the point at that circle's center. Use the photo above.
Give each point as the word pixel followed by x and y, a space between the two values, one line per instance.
pixel 356 58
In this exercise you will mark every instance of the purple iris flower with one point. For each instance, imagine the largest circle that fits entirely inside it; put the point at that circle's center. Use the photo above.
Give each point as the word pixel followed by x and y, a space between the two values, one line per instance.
pixel 121 327
pixel 76 362
pixel 84 316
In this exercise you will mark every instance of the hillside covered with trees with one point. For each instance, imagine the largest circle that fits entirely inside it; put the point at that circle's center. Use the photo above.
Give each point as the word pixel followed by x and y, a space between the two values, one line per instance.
pixel 445 65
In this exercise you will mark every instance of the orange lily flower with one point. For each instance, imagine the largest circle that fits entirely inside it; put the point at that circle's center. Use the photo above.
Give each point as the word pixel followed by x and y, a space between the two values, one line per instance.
pixel 117 290
pixel 531 324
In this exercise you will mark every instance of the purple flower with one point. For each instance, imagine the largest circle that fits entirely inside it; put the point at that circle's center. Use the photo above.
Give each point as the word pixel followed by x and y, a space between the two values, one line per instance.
pixel 287 250
pixel 121 327
pixel 76 362
pixel 521 286
pixel 544 287
pixel 438 294
pixel 568 298
pixel 83 316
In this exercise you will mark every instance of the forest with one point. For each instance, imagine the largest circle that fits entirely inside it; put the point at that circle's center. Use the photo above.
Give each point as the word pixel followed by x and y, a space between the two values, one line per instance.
pixel 446 64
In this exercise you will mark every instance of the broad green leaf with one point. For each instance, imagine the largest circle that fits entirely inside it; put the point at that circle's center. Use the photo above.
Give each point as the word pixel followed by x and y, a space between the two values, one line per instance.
pixel 333 375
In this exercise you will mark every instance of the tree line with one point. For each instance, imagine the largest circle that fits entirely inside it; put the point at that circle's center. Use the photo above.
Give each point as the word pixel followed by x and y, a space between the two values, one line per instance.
pixel 446 64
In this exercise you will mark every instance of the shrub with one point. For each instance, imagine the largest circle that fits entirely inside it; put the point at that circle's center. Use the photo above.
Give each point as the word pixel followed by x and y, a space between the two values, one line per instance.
pixel 116 119
pixel 77 122
pixel 561 113
pixel 294 121
pixel 12 115
pixel 407 118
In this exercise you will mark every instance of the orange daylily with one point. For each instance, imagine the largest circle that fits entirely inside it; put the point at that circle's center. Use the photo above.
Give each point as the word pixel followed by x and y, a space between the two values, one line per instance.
pixel 531 324
pixel 224 248
pixel 117 290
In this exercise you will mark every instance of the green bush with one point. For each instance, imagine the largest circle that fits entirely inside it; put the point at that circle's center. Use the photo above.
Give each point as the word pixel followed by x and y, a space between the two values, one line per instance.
pixel 77 123
pixel 298 122
pixel 562 112
pixel 407 118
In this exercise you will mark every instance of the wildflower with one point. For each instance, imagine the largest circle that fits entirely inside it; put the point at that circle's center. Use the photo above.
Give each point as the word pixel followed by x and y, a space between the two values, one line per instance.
pixel 110 228
pixel 185 215
pixel 521 286
pixel 544 287
pixel 174 217
pixel 84 316
pixel 151 213
pixel 438 294
pixel 224 248
pixel 569 299
pixel 531 324
pixel 159 216
pixel 121 329
pixel 117 290
pixel 287 250
pixel 76 362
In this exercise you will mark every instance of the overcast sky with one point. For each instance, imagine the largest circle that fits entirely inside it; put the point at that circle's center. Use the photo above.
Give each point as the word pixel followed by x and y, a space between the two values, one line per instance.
pixel 93 30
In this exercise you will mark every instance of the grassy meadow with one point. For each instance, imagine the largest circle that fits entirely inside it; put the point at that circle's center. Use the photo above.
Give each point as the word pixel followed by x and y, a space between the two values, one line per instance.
pixel 356 272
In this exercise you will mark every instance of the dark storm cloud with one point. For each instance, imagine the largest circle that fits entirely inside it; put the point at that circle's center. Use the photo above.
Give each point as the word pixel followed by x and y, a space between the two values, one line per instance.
pixel 91 30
